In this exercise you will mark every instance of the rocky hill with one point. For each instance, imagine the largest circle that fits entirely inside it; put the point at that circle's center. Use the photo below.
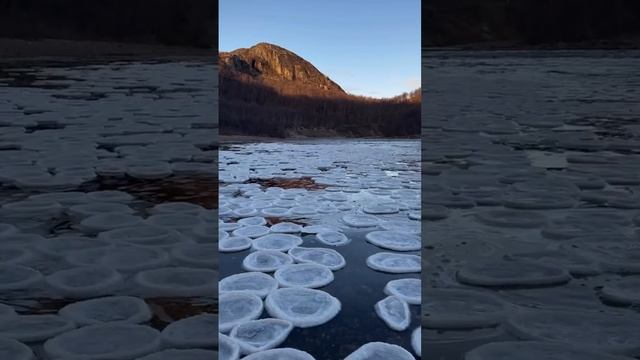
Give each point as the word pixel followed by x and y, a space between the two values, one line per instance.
pixel 278 67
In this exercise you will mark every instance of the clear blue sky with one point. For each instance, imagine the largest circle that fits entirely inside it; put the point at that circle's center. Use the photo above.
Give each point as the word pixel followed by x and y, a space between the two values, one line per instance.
pixel 369 47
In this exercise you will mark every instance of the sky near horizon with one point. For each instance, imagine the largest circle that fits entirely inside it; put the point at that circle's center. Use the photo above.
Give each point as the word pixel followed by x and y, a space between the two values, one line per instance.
pixel 369 47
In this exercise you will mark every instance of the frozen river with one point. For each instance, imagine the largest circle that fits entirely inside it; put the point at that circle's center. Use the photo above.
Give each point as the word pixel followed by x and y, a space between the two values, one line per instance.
pixel 531 191
pixel 350 210
pixel 107 210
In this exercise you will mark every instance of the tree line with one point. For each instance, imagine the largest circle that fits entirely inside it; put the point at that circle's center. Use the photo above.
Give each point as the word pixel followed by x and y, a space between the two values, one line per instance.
pixel 190 23
pixel 248 107
pixel 528 22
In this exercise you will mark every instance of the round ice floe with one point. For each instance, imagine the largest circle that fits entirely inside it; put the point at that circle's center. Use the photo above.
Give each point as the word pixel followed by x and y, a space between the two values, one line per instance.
pixel 253 231
pixel 402 226
pixel 180 222
pixel 7 311
pixel 260 335
pixel 234 244
pixel 16 277
pixel 394 312
pixel 255 283
pixel 625 291
pixel 436 212
pixel 64 244
pixel 380 350
pixel 408 290
pixel 461 309
pixel 574 263
pixel 606 332
pixel 275 211
pixel 123 258
pixel 245 212
pixel 192 332
pixel 316 229
pixel 85 281
pixel 612 256
pixel 113 196
pixel 238 308
pixel 381 209
pixel 176 207
pixel 35 209
pixel 277 242
pixel 21 239
pixel 104 342
pixel 266 261
pixel 34 328
pixel 228 348
pixel 326 257
pixel 143 235
pixel 228 226
pixel 511 218
pixel 535 350
pixel 82 211
pixel 355 220
pixel 286 227
pixel 303 275
pixel 416 341
pixel 12 255
pixel 197 255
pixel 13 350
pixel 183 354
pixel 512 273
pixel 204 233
pixel 303 211
pixel 251 221
pixel 7 229
pixel 64 198
pixel 333 238
pixel 394 263
pixel 392 240
pixel 116 309
pixel 539 201
pixel 178 281
pixel 280 354
pixel 301 306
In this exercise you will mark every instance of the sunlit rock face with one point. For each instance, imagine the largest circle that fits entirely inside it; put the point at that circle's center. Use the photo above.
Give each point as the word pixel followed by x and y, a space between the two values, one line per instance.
pixel 269 63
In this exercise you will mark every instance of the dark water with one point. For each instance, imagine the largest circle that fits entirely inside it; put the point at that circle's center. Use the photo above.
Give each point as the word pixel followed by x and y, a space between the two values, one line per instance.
pixel 358 288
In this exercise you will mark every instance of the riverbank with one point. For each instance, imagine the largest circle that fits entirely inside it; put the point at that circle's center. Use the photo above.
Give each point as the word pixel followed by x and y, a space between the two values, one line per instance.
pixel 16 49
pixel 625 43
pixel 245 139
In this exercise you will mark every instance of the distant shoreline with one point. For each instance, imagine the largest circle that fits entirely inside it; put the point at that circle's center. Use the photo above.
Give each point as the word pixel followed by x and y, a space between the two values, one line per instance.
pixel 632 43
pixel 244 139
pixel 21 49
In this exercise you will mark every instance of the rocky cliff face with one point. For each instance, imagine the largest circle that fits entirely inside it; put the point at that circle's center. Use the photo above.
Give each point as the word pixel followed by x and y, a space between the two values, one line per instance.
pixel 278 67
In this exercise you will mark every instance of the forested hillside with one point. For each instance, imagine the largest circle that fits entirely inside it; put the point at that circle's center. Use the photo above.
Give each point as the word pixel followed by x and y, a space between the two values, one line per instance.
pixel 592 23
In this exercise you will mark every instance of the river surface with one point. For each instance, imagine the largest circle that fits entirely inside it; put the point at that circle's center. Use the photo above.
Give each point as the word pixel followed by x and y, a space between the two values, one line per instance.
pixel 531 193
pixel 347 177
pixel 107 187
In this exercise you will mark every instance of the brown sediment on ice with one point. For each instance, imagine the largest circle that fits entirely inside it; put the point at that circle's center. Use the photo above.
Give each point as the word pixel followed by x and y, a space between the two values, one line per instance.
pixel 168 310
pixel 196 189
pixel 305 182
pixel 275 220
pixel 165 310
